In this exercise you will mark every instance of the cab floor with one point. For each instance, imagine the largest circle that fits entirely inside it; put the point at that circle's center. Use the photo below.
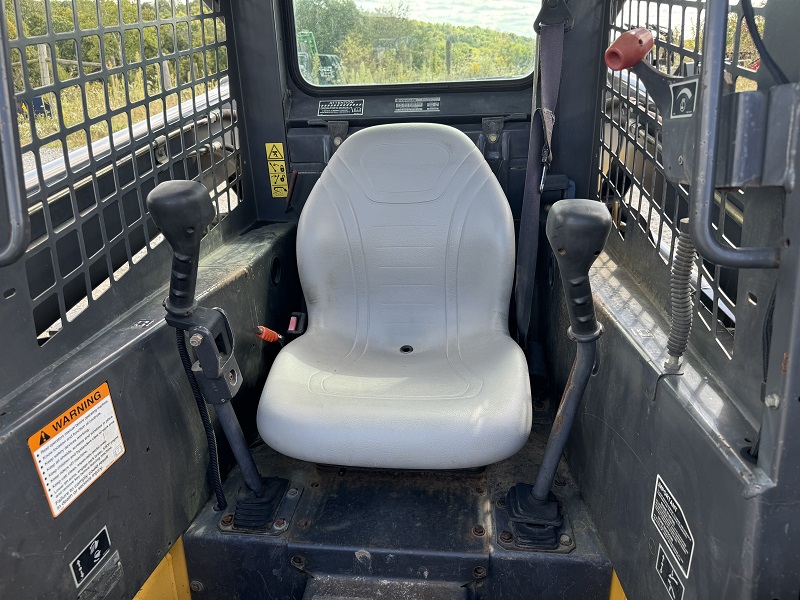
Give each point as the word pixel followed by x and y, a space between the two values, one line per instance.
pixel 342 533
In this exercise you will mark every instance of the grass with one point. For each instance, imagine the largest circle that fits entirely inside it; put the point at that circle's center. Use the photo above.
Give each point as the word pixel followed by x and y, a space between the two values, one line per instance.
pixel 98 99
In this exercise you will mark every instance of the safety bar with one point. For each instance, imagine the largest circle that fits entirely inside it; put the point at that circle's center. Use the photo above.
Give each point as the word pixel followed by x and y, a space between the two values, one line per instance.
pixel 627 52
pixel 19 225
pixel 706 149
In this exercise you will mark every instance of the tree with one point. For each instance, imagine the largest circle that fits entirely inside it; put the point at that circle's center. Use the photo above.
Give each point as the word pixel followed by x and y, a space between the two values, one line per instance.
pixel 329 20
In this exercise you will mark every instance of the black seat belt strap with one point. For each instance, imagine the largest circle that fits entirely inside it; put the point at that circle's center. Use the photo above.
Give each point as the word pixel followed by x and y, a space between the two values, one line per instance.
pixel 550 55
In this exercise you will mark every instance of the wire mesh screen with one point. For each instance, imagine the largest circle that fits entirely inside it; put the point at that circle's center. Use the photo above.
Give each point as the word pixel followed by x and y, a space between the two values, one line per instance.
pixel 631 179
pixel 113 97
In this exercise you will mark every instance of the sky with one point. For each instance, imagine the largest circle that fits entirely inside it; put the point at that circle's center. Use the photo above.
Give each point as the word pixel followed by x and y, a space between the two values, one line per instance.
pixel 513 16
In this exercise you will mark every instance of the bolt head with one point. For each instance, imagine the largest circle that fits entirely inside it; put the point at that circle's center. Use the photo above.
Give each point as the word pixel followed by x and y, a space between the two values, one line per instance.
pixel 492 138
pixel 479 572
pixel 564 540
pixel 280 523
pixel 292 492
pixel 478 530
pixel 772 400
pixel 337 141
pixel 227 520
pixel 506 537
pixel 195 340
pixel 196 586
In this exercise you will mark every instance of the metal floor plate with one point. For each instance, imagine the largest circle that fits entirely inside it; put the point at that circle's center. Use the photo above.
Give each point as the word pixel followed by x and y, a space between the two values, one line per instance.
pixel 361 534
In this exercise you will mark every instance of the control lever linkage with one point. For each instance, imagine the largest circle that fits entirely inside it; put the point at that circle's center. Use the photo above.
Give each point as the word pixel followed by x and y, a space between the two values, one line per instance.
pixel 182 210
pixel 577 231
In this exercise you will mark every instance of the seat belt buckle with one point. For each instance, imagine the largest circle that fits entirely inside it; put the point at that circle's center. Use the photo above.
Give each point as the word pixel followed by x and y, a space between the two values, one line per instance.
pixel 297 324
pixel 545 167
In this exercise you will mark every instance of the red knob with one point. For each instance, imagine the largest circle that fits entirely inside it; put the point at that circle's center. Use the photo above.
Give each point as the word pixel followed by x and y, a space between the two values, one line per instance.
pixel 630 48
pixel 266 334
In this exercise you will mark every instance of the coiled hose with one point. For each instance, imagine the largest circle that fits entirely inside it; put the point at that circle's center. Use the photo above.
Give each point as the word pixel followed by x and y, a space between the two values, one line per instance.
pixel 680 295
pixel 214 475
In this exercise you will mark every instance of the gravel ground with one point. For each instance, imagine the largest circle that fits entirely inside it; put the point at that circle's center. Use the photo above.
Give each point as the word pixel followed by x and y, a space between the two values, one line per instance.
pixel 46 154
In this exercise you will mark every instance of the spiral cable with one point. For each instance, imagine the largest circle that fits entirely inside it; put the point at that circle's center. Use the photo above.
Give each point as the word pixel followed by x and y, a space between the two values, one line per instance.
pixel 680 294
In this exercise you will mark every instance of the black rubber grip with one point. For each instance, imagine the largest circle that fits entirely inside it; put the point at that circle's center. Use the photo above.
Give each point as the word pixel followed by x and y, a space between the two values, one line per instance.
pixel 182 210
pixel 577 231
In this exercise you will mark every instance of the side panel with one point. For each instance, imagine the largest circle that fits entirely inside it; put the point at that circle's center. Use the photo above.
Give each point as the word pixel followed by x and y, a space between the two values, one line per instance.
pixel 636 424
pixel 148 497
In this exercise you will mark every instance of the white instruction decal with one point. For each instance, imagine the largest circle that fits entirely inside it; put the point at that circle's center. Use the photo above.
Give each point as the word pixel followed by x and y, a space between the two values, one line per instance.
pixel 332 108
pixel 76 448
pixel 404 105
pixel 669 576
pixel 668 517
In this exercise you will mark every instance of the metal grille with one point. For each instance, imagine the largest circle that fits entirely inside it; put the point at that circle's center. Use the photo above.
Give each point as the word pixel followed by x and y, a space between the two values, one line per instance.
pixel 113 97
pixel 631 178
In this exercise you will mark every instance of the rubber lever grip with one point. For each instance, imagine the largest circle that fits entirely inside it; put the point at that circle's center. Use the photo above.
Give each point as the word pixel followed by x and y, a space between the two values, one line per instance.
pixel 629 49
pixel 577 231
pixel 182 210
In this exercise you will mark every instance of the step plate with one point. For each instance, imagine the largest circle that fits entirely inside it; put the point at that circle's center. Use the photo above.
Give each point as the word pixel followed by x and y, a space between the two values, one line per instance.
pixel 348 588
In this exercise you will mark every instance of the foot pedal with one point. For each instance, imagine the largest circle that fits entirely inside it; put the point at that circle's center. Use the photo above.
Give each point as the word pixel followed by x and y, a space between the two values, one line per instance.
pixel 256 514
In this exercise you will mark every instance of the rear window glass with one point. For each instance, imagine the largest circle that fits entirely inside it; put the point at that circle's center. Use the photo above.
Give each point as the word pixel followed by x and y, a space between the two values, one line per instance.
pixel 372 42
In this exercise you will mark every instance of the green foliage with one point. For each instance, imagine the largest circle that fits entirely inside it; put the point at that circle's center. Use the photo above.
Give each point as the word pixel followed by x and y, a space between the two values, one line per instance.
pixel 385 46
pixel 329 20
pixel 740 50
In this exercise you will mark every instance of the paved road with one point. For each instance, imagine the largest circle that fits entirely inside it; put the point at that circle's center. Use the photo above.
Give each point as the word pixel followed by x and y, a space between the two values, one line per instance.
pixel 46 154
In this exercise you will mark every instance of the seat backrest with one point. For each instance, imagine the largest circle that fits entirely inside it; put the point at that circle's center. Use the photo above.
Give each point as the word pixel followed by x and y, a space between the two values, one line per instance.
pixel 407 239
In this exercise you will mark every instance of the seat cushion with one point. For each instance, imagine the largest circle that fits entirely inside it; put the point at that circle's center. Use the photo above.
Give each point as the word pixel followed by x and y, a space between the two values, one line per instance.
pixel 406 240
pixel 426 409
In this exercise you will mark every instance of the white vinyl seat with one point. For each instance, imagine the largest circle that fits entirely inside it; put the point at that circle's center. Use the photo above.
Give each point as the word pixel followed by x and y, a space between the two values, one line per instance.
pixel 405 250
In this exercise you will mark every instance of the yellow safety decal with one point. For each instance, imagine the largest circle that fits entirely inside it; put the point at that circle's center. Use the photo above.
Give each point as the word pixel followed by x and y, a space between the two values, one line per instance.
pixel 276 163
pixel 73 450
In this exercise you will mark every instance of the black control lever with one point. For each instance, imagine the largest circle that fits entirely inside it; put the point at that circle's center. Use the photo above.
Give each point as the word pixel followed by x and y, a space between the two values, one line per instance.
pixel 577 231
pixel 182 210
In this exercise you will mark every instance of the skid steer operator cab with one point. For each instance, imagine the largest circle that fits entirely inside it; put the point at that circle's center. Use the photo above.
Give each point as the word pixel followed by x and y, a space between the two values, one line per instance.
pixel 338 299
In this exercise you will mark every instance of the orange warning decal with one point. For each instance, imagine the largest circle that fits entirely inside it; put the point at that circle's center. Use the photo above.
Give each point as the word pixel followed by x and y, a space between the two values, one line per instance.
pixel 73 450
pixel 57 425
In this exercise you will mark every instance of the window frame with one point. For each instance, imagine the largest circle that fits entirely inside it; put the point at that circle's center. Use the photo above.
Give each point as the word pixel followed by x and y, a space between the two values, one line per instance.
pixel 308 88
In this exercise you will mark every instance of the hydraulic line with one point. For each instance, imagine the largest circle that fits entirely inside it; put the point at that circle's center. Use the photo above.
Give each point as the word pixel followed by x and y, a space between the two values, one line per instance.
pixel 680 295
pixel 766 58
pixel 213 455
